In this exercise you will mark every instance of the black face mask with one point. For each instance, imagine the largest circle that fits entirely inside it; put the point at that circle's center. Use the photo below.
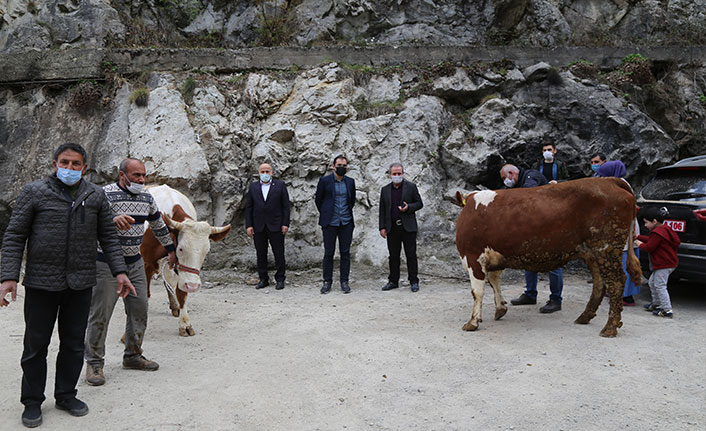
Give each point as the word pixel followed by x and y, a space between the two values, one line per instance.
pixel 340 171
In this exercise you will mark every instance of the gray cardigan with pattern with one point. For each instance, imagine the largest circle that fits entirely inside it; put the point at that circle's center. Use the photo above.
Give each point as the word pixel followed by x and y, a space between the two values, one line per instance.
pixel 61 235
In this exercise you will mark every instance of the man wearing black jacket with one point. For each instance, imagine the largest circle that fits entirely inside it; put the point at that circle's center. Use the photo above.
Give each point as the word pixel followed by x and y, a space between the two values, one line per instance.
pixel 58 219
pixel 399 201
pixel 267 219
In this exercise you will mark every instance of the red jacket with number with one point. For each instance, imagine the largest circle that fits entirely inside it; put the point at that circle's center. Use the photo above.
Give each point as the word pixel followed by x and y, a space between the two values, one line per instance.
pixel 662 245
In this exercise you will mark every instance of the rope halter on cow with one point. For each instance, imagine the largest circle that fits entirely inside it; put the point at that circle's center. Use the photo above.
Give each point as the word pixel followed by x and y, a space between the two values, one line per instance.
pixel 180 267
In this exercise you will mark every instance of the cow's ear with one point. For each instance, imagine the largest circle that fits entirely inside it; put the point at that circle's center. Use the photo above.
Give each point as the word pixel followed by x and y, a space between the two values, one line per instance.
pixel 219 236
pixel 460 199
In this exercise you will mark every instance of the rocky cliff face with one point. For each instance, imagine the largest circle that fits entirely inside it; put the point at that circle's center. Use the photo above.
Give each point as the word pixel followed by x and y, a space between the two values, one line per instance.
pixel 452 127
pixel 54 23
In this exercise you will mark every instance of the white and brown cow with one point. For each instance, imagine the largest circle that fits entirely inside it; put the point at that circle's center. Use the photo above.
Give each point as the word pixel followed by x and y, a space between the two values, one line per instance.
pixel 192 240
pixel 540 229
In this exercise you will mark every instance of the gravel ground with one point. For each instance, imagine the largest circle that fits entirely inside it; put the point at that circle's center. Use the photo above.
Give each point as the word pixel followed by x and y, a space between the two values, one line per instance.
pixel 298 360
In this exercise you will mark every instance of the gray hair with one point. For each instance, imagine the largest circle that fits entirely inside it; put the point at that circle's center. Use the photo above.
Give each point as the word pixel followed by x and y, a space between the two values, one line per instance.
pixel 126 161
pixel 395 164
pixel 509 168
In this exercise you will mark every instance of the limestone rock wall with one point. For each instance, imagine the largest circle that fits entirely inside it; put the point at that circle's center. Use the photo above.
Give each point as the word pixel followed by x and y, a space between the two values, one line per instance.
pixel 452 129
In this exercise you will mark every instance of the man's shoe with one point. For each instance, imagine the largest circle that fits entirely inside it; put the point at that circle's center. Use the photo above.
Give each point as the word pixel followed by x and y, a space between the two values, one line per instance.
pixel 414 287
pixel 663 313
pixel 262 283
pixel 32 416
pixel 523 300
pixel 651 307
pixel 139 362
pixel 326 288
pixel 74 406
pixel 389 286
pixel 94 375
pixel 345 287
pixel 550 307
pixel 280 285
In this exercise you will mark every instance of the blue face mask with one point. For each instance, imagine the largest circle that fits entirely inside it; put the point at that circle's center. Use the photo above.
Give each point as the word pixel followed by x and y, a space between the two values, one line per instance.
pixel 68 176
pixel 595 167
pixel 265 178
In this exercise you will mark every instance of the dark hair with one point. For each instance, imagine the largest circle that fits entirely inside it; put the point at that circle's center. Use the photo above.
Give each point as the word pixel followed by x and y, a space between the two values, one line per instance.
pixel 340 156
pixel 70 146
pixel 600 155
pixel 653 213
pixel 548 142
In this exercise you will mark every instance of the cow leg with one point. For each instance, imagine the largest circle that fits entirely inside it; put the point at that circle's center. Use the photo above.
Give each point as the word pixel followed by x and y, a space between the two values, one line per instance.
pixel 477 287
pixel 185 329
pixel 173 304
pixel 500 303
pixel 614 279
pixel 596 295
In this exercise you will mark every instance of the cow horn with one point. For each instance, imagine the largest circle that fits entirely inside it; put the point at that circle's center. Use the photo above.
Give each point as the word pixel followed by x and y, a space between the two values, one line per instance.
pixel 173 224
pixel 216 229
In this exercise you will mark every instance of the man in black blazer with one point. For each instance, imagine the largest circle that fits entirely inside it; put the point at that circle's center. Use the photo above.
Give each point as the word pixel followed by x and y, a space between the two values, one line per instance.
pixel 399 200
pixel 335 197
pixel 267 219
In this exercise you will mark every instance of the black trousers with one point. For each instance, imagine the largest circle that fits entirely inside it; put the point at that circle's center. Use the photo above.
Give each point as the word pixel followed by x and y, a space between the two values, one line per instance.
pixel 276 240
pixel 396 238
pixel 41 310
pixel 345 237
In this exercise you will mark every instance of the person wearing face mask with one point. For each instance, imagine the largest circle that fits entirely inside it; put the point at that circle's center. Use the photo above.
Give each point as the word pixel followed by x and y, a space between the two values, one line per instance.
pixel 552 169
pixel 597 160
pixel 335 197
pixel 513 177
pixel 267 220
pixel 131 206
pixel 399 201
pixel 58 220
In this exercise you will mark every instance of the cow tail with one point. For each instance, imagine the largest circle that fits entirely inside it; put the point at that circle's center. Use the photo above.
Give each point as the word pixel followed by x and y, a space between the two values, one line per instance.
pixel 633 263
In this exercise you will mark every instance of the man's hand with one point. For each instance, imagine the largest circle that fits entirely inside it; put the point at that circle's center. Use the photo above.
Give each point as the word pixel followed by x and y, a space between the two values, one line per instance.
pixel 8 286
pixel 172 259
pixel 383 233
pixel 123 221
pixel 124 286
pixel 638 243
pixel 285 229
pixel 250 231
pixel 404 207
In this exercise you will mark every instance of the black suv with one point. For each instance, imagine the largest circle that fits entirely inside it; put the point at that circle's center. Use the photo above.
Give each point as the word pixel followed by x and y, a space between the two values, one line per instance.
pixel 681 189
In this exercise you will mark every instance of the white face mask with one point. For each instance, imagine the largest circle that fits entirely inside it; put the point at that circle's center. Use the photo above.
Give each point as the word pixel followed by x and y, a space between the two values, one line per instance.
pixel 396 179
pixel 509 182
pixel 548 156
pixel 134 188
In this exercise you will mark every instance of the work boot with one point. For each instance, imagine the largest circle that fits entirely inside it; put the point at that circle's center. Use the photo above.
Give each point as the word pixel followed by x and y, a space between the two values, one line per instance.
pixel 523 300
pixel 94 375
pixel 139 362
pixel 551 306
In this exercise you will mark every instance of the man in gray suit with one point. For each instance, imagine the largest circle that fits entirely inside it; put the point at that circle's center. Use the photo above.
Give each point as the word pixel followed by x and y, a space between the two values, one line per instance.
pixel 399 200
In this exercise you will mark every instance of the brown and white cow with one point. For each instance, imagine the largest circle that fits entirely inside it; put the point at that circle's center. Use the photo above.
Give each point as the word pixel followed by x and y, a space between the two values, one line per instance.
pixel 542 228
pixel 192 240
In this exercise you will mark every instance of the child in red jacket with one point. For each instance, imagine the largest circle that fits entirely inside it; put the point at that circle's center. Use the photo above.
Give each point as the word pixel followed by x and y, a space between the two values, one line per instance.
pixel 661 244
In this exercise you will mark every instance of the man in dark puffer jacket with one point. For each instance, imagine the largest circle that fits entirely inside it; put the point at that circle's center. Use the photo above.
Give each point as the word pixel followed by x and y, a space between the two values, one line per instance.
pixel 59 219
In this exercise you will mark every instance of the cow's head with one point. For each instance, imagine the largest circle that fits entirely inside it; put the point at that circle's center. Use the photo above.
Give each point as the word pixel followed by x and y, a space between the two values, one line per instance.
pixel 193 243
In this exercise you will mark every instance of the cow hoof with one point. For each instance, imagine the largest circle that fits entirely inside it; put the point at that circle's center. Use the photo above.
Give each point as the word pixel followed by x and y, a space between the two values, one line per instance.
pixel 582 320
pixel 175 313
pixel 470 326
pixel 187 332
pixel 609 333
pixel 500 312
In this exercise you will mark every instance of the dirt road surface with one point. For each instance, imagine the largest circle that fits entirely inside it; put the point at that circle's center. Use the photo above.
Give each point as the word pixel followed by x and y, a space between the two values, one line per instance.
pixel 371 360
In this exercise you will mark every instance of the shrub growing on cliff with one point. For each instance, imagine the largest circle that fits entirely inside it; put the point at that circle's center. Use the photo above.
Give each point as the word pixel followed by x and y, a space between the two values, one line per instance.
pixel 140 96
pixel 187 89
pixel 85 96
pixel 583 69
pixel 275 21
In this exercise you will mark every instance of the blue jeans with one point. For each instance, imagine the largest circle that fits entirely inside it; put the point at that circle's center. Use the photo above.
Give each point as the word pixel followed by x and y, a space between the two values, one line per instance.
pixel 345 237
pixel 556 284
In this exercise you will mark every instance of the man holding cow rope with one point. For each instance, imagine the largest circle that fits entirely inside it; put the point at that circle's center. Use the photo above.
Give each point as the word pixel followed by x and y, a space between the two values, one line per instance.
pixel 131 206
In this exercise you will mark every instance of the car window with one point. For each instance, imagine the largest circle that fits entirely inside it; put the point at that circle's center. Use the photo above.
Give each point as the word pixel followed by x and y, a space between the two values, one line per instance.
pixel 683 184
